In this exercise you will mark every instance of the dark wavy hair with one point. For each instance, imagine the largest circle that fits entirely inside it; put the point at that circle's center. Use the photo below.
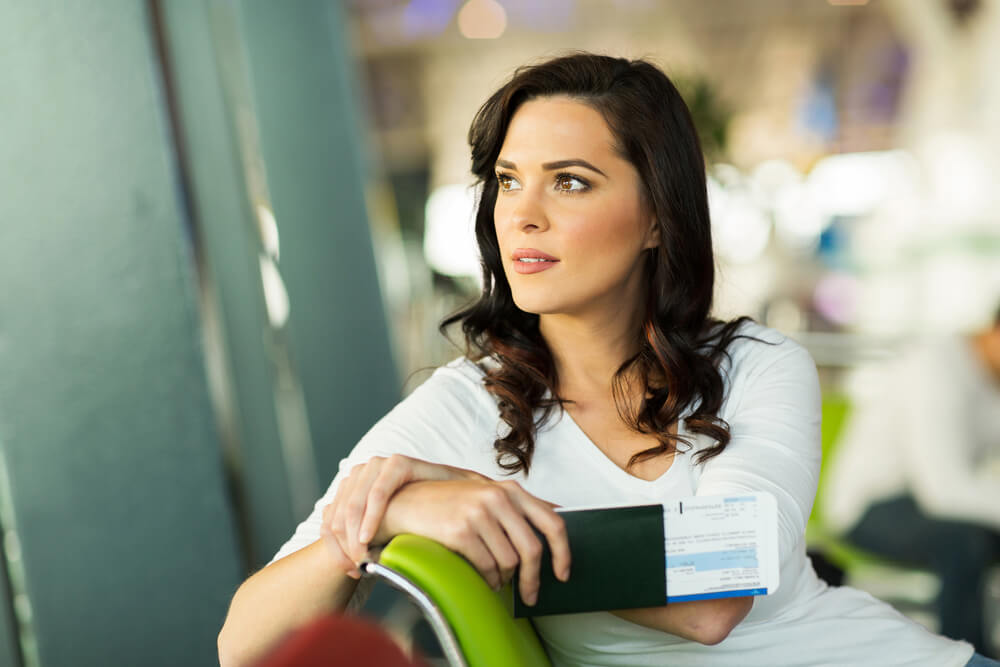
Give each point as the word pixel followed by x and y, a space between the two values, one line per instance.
pixel 680 346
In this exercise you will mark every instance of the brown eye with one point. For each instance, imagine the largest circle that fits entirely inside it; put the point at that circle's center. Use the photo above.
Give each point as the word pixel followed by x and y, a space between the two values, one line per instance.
pixel 506 182
pixel 570 183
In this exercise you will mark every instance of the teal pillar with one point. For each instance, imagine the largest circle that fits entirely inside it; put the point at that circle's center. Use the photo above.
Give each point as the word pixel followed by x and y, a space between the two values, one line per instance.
pixel 125 535
pixel 270 134
pixel 308 106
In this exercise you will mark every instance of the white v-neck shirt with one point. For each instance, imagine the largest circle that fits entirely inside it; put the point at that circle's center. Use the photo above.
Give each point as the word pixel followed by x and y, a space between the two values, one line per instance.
pixel 772 406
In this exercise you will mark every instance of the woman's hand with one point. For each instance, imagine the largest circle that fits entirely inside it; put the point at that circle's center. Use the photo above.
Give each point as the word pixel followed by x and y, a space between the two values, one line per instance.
pixel 489 523
pixel 354 516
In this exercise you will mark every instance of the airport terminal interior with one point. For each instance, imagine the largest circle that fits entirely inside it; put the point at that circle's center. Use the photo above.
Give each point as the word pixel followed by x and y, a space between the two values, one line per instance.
pixel 230 230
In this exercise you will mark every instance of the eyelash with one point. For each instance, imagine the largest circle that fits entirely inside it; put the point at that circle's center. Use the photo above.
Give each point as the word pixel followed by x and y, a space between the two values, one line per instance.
pixel 585 185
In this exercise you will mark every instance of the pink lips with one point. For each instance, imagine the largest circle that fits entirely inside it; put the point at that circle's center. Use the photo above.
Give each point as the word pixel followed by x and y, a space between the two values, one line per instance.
pixel 536 260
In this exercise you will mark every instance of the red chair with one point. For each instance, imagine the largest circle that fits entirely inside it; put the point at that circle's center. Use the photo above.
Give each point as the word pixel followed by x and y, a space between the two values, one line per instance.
pixel 339 640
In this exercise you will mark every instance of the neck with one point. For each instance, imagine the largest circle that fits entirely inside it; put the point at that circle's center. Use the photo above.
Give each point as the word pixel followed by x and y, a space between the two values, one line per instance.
pixel 588 351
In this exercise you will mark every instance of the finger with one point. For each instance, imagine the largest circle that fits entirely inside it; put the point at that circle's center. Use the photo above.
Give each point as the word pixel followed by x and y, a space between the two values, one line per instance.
pixel 477 553
pixel 324 524
pixel 504 553
pixel 331 512
pixel 338 510
pixel 528 546
pixel 549 523
pixel 396 472
pixel 552 526
pixel 467 542
pixel 354 508
pixel 340 560
pixel 343 491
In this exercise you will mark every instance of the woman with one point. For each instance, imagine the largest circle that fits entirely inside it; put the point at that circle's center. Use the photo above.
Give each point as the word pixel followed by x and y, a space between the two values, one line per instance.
pixel 594 375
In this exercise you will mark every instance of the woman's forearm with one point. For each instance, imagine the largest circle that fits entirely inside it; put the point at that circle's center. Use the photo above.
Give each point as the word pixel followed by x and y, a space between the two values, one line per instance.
pixel 704 621
pixel 278 599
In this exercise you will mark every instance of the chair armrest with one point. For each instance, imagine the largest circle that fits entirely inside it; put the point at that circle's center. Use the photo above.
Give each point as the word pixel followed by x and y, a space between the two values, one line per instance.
pixel 480 618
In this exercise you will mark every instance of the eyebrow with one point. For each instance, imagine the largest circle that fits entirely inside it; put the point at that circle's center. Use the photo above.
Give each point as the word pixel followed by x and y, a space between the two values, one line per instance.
pixel 559 164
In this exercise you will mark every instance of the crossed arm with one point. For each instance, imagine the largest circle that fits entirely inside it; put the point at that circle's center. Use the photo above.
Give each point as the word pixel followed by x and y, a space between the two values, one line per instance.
pixel 488 522
pixel 490 527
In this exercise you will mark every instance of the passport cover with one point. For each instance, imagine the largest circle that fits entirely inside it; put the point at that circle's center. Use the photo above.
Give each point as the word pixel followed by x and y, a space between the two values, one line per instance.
pixel 618 562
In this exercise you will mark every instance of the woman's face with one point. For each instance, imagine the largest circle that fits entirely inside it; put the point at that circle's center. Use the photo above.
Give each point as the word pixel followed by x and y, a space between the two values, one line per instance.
pixel 569 216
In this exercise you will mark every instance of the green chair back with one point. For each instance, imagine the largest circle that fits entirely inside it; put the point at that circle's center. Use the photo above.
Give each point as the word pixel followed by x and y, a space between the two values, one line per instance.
pixel 480 618
pixel 836 410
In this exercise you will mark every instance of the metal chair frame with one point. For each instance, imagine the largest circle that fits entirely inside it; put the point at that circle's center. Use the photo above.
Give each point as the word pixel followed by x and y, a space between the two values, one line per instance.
pixel 442 630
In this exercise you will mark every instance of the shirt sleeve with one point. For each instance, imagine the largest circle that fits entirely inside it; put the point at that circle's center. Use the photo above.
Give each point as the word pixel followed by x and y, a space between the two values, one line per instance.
pixel 773 411
pixel 445 420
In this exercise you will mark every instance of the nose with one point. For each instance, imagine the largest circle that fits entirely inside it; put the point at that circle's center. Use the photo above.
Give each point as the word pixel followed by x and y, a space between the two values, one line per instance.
pixel 528 213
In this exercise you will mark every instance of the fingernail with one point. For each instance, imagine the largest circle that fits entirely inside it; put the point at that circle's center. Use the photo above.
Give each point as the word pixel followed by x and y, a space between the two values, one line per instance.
pixel 531 599
pixel 564 575
pixel 364 536
pixel 354 574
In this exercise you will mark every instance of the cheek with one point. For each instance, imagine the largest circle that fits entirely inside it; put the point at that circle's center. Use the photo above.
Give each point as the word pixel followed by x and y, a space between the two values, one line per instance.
pixel 501 217
pixel 609 231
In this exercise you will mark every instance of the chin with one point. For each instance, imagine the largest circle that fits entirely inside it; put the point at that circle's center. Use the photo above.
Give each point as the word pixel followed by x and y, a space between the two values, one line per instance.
pixel 531 308
pixel 540 303
pixel 536 304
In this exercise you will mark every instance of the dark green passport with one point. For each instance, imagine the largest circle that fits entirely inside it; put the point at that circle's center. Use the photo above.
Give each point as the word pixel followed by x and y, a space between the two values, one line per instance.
pixel 618 562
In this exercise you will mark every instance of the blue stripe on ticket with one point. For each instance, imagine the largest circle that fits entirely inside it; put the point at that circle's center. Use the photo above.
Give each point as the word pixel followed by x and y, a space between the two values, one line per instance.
pixel 719 594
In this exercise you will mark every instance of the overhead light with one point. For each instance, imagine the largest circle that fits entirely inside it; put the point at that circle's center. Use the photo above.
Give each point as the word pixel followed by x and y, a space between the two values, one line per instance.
pixel 450 246
pixel 482 19
pixel 852 184
pixel 740 230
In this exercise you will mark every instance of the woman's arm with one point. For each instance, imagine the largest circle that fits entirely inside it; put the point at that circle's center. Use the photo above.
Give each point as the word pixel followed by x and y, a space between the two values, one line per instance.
pixel 356 512
pixel 320 578
pixel 774 419
pixel 702 621
pixel 311 574
pixel 774 422
pixel 278 599
pixel 490 523
pixel 490 527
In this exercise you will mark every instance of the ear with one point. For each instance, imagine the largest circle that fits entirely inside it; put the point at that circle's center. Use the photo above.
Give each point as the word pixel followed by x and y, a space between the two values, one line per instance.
pixel 653 236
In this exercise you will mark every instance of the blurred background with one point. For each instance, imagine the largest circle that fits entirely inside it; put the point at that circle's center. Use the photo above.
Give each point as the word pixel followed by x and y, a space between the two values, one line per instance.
pixel 229 229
